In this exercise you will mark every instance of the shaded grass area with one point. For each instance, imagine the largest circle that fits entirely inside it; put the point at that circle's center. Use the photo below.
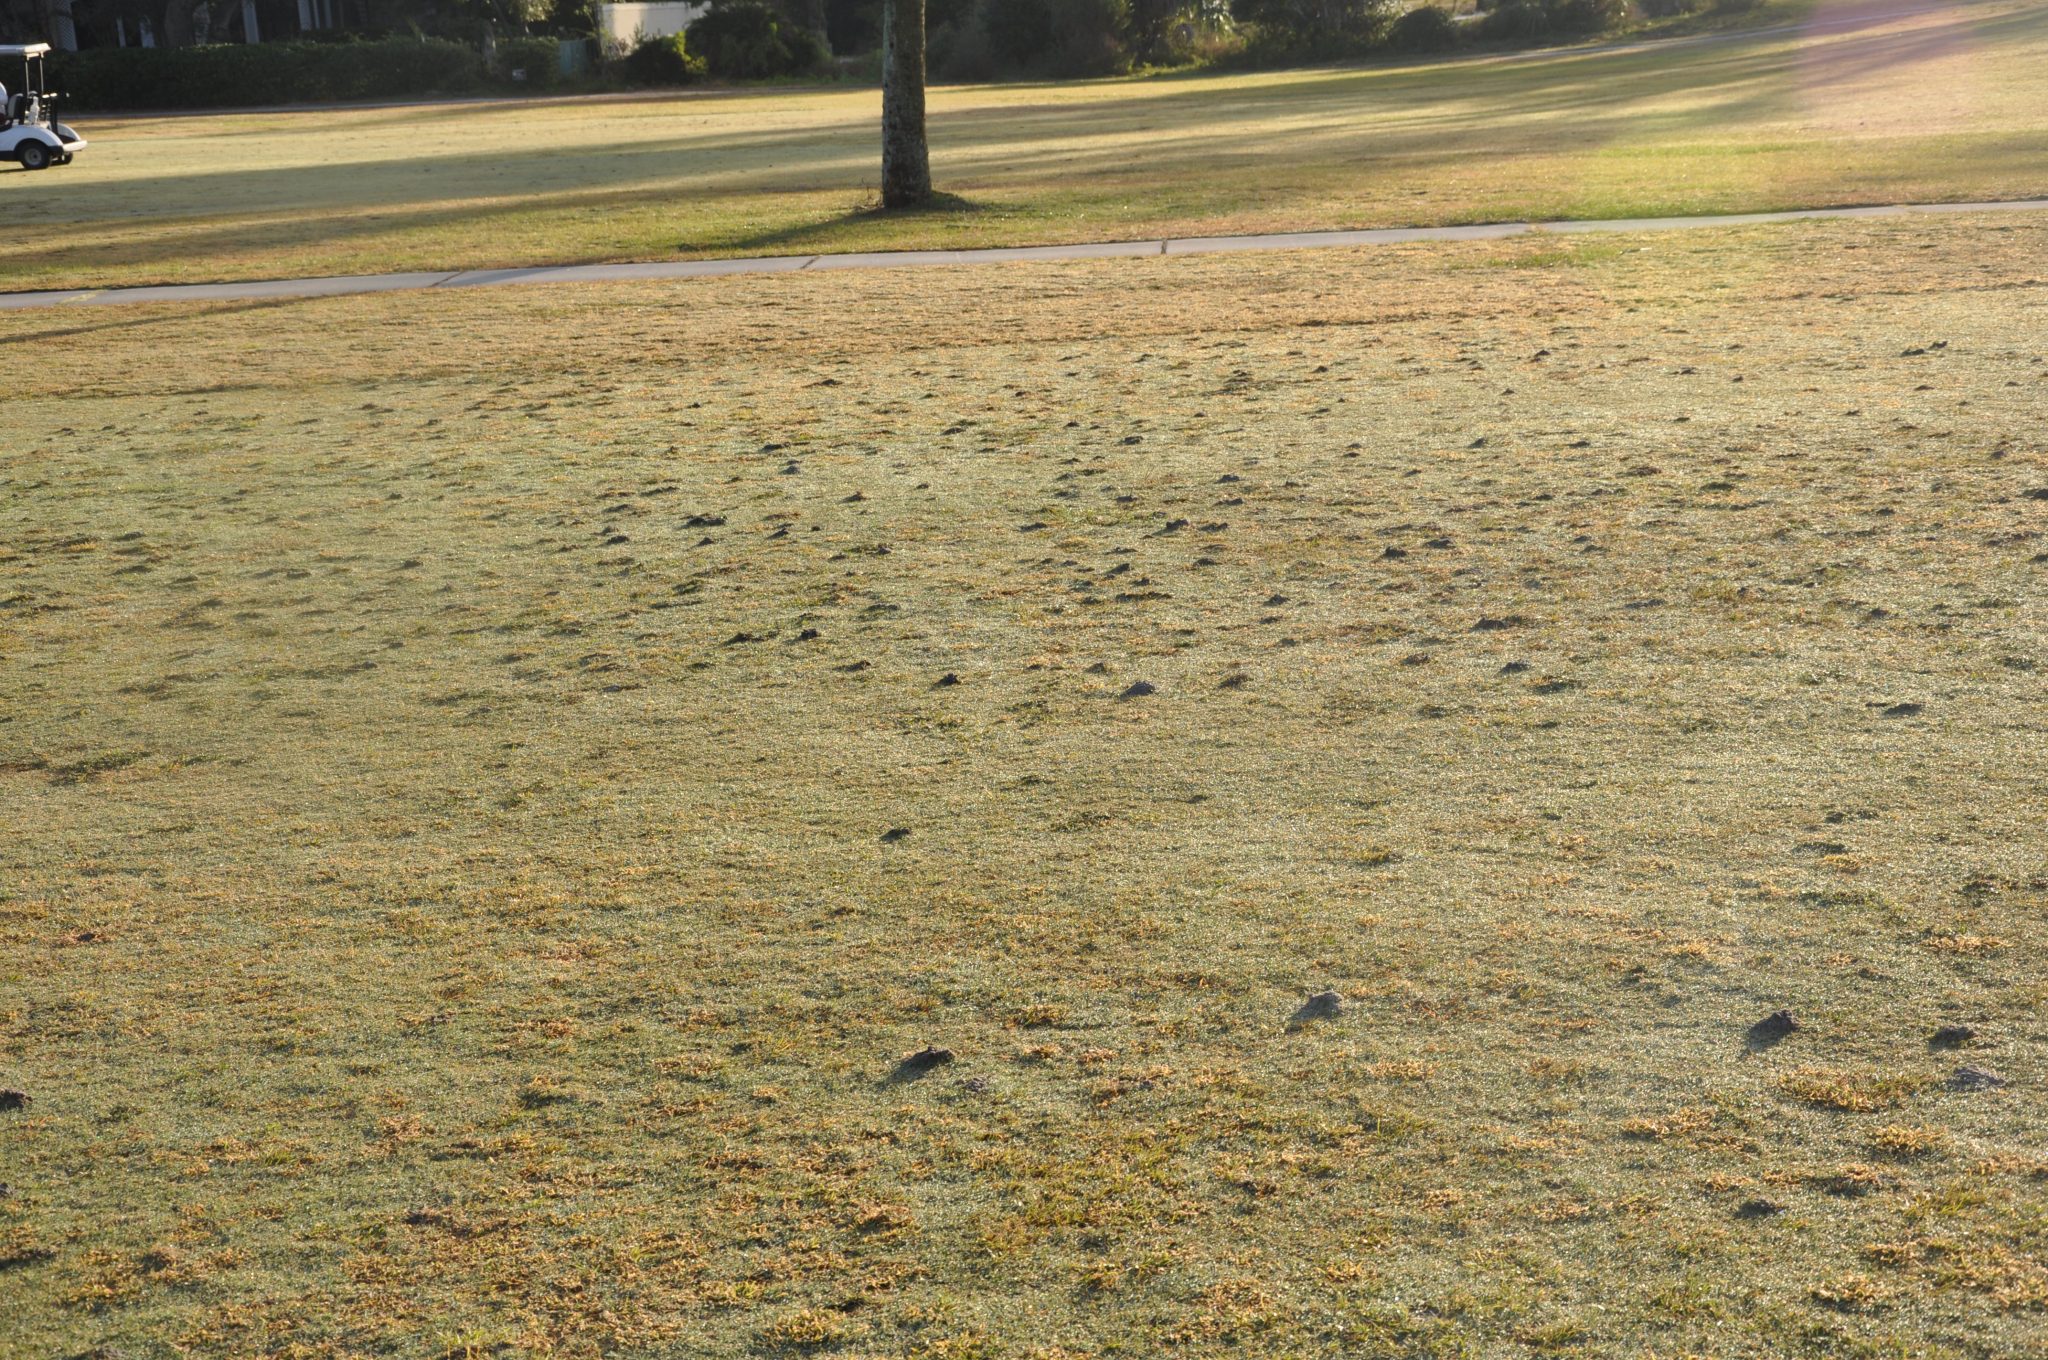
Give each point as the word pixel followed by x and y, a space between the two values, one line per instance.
pixel 1864 105
pixel 449 747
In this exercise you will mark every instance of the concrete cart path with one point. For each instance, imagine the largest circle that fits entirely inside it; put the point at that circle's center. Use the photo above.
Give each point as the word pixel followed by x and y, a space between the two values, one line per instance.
pixel 899 259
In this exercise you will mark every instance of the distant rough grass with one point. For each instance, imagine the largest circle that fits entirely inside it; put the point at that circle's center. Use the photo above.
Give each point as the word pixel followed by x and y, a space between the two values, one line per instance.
pixel 1885 103
pixel 447 744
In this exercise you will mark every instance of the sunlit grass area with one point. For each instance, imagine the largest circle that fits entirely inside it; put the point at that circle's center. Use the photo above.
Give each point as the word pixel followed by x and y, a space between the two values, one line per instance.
pixel 1854 104
pixel 495 784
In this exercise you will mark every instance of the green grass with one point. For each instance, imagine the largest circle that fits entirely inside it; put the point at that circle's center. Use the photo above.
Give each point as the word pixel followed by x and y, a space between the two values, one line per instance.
pixel 1951 105
pixel 445 909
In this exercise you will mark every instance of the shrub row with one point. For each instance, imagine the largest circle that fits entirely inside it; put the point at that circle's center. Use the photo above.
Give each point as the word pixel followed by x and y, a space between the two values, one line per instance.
pixel 1283 30
pixel 735 40
pixel 742 40
pixel 239 75
pixel 660 61
pixel 750 40
pixel 984 39
pixel 1529 21
pixel 1034 37
pixel 540 59
pixel 745 40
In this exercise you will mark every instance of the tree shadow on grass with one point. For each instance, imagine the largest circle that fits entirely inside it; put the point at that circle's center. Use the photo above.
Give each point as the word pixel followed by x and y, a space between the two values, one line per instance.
pixel 867 213
pixel 154 319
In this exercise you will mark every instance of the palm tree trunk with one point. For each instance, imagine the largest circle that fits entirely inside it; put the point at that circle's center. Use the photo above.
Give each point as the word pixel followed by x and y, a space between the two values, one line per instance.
pixel 177 29
pixel 63 31
pixel 906 161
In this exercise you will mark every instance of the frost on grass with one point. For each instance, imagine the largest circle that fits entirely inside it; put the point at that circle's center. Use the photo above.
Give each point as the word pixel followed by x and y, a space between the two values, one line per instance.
pixel 457 767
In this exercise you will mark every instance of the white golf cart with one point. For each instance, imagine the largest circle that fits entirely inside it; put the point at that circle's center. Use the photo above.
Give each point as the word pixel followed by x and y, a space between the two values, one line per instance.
pixel 29 135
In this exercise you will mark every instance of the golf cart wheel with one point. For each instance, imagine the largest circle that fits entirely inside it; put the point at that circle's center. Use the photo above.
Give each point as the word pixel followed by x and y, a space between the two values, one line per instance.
pixel 34 156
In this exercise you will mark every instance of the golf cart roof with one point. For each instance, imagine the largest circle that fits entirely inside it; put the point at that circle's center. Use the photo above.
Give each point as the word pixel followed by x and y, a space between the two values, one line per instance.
pixel 24 49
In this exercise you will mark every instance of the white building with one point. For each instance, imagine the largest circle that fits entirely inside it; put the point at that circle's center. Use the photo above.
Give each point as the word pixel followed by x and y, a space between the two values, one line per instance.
pixel 621 27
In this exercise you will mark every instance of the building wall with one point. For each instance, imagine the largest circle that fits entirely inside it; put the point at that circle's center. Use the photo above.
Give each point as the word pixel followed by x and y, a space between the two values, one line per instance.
pixel 623 25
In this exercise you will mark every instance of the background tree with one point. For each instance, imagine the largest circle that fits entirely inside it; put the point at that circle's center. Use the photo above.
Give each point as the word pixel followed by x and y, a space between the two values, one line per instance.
pixel 906 159
pixel 1327 27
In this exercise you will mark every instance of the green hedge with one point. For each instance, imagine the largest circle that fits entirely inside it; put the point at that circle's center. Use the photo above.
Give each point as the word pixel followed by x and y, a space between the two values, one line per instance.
pixel 240 75
pixel 660 61
pixel 746 40
pixel 1423 29
pixel 1523 22
pixel 540 58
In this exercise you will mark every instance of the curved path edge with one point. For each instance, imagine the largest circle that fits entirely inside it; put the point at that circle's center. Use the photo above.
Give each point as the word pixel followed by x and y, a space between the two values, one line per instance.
pixel 900 259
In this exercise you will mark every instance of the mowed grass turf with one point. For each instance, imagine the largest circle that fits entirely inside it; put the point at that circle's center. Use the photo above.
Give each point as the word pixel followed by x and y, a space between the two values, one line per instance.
pixel 452 745
pixel 1863 103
